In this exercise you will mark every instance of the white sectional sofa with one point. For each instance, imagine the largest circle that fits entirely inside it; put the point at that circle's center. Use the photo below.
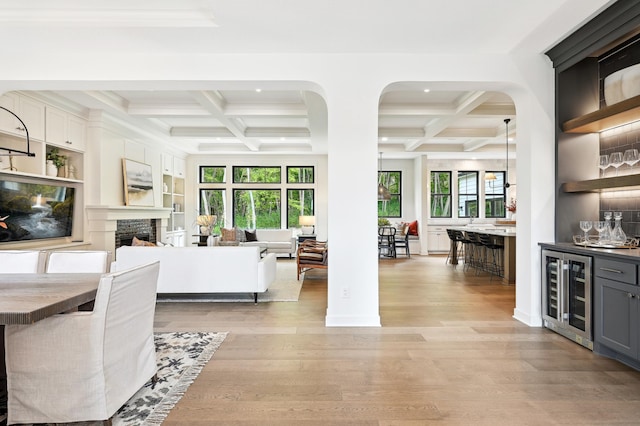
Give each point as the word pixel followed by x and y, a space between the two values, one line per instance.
pixel 202 270
pixel 274 240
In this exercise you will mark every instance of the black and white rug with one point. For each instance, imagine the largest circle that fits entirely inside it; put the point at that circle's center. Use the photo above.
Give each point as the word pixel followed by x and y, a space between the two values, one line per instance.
pixel 181 356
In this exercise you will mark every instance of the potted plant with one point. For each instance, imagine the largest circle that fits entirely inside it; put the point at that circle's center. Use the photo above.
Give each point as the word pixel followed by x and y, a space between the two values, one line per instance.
pixel 55 160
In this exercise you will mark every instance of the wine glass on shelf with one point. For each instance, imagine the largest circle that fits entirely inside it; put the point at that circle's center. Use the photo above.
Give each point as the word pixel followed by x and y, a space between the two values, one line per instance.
pixel 615 160
pixel 586 225
pixel 603 163
pixel 630 157
pixel 599 226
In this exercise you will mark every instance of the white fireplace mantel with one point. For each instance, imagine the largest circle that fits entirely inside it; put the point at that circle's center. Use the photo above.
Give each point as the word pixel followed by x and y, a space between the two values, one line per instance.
pixel 102 222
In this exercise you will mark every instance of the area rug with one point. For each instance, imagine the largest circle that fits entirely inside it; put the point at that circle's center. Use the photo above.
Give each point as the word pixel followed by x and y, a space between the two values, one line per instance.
pixel 181 356
pixel 286 288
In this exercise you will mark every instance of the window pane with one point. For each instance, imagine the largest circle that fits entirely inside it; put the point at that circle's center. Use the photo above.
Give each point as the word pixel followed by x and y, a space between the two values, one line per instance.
pixel 299 203
pixel 391 180
pixel 256 208
pixel 390 208
pixel 212 201
pixel 300 175
pixel 440 188
pixel 467 194
pixel 256 174
pixel 211 174
pixel 441 206
pixel 494 195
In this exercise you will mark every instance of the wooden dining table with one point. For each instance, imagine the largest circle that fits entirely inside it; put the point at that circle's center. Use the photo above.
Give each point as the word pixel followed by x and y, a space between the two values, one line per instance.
pixel 28 298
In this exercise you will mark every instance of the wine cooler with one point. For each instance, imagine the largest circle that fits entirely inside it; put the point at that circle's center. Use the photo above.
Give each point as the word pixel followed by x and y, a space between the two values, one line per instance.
pixel 566 295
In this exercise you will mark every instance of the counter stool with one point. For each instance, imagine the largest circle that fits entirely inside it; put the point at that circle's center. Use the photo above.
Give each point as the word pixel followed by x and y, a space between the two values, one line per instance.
pixel 476 249
pixel 456 239
pixel 495 266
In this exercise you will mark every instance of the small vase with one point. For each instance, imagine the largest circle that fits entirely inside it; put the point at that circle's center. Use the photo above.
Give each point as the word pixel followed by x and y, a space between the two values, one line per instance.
pixel 52 170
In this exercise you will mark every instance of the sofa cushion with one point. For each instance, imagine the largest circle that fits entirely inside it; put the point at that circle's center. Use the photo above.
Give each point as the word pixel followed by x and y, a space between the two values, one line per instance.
pixel 228 234
pixel 278 245
pixel 274 234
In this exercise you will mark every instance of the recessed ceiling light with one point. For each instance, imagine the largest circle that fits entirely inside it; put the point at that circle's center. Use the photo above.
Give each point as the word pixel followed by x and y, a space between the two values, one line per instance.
pixel 282 139
pixel 426 90
pixel 258 90
pixel 385 139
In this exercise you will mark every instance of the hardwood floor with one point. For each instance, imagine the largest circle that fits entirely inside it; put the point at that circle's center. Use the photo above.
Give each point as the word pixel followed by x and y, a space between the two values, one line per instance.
pixel 448 353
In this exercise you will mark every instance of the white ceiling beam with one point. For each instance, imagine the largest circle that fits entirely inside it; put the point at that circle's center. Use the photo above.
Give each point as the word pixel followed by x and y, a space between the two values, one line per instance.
pixel 470 102
pixel 276 132
pixel 201 132
pixel 215 104
pixel 261 110
pixel 167 110
pixel 400 132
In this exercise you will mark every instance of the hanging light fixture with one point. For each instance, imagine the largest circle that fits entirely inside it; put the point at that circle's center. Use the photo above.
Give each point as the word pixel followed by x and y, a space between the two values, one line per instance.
pixel 383 192
pixel 490 176
pixel 11 151
pixel 506 135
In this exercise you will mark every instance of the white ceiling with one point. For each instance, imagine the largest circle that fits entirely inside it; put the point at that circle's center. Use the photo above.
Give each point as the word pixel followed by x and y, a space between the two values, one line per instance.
pixel 291 119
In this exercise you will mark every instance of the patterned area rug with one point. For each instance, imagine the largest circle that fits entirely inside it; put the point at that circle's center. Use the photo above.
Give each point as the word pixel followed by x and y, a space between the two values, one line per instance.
pixel 181 357
pixel 286 288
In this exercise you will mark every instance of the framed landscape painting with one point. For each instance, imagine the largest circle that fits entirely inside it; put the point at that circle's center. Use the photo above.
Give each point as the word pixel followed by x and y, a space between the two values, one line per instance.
pixel 138 183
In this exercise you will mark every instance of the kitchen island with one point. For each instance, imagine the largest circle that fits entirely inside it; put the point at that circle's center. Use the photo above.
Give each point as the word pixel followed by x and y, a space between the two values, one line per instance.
pixel 508 234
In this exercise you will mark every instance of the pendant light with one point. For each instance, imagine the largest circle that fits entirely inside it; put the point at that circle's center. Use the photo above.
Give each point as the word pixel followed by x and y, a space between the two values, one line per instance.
pixel 506 135
pixel 10 151
pixel 383 192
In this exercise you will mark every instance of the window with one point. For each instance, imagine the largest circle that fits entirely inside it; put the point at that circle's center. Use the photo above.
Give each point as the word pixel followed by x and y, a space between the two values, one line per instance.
pixel 256 174
pixel 440 194
pixel 494 197
pixel 256 208
pixel 392 180
pixel 300 174
pixel 212 174
pixel 213 201
pixel 299 203
pixel 468 194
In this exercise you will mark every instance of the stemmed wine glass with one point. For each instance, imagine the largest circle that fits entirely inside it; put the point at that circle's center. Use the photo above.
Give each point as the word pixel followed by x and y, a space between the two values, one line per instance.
pixel 585 225
pixel 616 160
pixel 599 226
pixel 631 157
pixel 603 163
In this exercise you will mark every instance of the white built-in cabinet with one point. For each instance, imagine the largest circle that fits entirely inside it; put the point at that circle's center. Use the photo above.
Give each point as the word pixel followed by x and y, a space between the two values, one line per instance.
pixel 437 239
pixel 173 189
pixel 65 130
pixel 30 111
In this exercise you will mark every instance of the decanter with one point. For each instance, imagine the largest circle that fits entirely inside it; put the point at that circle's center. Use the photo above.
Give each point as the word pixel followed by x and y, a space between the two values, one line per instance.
pixel 605 237
pixel 618 237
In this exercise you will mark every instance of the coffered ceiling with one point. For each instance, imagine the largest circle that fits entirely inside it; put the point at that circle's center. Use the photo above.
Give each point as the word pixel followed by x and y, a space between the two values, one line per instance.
pixel 255 117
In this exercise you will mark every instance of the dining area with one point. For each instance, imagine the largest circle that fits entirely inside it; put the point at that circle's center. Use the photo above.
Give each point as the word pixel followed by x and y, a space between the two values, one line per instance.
pixel 67 332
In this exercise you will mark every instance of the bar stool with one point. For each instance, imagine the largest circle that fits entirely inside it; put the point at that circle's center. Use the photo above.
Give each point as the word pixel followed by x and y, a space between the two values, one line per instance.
pixel 475 258
pixel 495 266
pixel 456 239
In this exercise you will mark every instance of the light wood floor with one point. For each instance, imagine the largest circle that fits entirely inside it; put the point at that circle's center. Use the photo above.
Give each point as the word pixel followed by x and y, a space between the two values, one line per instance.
pixel 448 353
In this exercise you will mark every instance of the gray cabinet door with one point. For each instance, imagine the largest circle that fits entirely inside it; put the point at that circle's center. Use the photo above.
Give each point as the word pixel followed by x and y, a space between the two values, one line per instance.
pixel 616 316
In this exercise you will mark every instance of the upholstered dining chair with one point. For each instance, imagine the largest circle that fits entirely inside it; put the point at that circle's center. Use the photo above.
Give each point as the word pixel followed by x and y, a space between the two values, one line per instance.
pixel 21 261
pixel 83 366
pixel 78 261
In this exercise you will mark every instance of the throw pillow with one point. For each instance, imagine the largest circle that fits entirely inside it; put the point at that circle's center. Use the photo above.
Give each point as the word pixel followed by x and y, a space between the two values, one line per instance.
pixel 240 236
pixel 413 228
pixel 251 236
pixel 136 242
pixel 228 234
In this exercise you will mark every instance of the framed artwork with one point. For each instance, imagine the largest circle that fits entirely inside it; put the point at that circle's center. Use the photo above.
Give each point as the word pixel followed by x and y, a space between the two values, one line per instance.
pixel 138 183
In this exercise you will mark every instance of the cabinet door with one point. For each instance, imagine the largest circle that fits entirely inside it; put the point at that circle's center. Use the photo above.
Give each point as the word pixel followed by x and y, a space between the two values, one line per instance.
pixel 167 164
pixel 56 126
pixel 8 123
pixel 76 133
pixel 32 113
pixel 616 316
pixel 178 167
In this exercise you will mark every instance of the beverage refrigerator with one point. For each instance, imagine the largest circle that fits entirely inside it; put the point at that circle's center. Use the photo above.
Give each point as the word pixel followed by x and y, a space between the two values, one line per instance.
pixel 567 295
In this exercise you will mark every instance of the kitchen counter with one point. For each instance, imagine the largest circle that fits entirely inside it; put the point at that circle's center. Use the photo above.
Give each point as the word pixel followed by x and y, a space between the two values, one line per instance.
pixel 621 253
pixel 508 233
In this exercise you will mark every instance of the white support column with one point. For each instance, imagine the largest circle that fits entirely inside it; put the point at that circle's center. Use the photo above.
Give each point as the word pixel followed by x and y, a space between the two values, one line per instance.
pixel 352 221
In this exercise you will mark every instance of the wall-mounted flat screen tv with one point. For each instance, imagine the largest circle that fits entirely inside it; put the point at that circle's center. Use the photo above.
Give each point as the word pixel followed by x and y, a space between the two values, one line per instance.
pixel 34 211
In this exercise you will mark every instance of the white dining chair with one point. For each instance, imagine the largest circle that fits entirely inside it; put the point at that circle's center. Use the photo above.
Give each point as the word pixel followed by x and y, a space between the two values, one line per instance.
pixel 78 261
pixel 22 261
pixel 83 366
